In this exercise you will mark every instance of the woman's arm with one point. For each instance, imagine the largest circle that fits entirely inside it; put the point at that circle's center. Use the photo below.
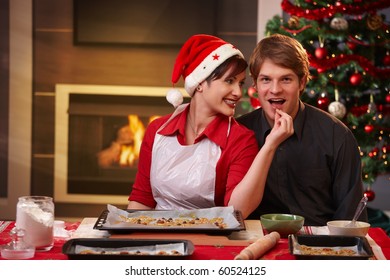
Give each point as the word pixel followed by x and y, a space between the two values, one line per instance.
pixel 248 194
pixel 136 205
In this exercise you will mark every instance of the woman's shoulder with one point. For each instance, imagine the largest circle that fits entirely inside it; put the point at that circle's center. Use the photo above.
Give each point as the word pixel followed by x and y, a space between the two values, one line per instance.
pixel 154 125
pixel 241 141
pixel 158 122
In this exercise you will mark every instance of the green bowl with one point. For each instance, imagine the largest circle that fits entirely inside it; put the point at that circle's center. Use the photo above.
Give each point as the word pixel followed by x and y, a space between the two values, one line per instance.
pixel 284 224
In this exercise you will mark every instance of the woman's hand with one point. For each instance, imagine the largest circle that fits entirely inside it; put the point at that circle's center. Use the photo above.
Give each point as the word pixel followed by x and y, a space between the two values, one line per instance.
pixel 283 128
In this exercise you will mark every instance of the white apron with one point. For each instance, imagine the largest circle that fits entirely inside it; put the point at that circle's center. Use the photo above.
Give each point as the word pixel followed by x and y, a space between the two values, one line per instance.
pixel 183 177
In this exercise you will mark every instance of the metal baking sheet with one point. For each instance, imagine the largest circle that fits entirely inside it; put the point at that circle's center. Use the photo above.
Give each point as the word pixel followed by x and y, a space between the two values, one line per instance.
pixel 126 228
pixel 70 246
pixel 359 244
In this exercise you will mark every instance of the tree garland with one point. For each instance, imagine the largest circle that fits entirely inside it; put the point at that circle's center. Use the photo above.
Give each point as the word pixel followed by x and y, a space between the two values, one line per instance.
pixel 346 58
pixel 331 10
pixel 360 42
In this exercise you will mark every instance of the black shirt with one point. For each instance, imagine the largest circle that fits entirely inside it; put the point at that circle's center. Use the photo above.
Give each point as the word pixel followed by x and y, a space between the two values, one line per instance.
pixel 316 173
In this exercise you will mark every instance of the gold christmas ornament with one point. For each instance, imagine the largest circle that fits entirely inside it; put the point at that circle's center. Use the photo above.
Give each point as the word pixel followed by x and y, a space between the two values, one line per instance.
pixel 293 22
pixel 374 22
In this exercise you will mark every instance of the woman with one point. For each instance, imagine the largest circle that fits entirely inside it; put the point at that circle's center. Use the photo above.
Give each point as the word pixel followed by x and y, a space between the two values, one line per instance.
pixel 200 157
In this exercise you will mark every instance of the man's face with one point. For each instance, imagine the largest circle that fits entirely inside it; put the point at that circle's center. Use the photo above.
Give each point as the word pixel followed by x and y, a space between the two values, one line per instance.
pixel 278 88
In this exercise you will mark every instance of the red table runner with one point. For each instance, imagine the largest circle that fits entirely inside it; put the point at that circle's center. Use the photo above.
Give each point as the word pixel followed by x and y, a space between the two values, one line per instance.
pixel 279 252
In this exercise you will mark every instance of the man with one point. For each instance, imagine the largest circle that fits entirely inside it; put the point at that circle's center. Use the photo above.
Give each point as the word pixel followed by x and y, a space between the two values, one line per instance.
pixel 315 173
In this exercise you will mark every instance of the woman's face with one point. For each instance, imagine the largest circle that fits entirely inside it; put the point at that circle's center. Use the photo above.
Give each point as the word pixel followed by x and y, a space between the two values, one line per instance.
pixel 222 95
pixel 278 88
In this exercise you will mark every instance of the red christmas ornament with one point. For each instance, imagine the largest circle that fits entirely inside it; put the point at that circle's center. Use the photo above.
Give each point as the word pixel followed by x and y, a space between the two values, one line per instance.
pixel 369 194
pixel 321 53
pixel 351 46
pixel 320 70
pixel 368 128
pixel 356 79
pixel 323 102
pixel 251 92
pixel 386 59
pixel 255 103
pixel 387 98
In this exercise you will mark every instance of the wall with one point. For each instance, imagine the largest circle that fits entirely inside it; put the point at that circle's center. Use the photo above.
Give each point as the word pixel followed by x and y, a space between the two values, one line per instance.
pixel 17 65
pixel 4 89
pixel 57 60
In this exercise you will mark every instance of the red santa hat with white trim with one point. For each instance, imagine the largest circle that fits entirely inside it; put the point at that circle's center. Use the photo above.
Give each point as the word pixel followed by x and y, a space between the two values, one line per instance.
pixel 199 56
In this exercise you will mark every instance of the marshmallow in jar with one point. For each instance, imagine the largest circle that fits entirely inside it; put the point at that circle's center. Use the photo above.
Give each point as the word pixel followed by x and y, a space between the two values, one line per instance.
pixel 35 215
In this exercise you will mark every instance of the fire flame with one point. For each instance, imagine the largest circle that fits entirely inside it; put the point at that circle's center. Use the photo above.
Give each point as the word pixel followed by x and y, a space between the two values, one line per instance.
pixel 130 151
pixel 126 147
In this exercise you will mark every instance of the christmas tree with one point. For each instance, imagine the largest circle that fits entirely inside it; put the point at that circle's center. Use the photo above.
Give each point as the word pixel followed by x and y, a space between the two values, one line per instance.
pixel 348 44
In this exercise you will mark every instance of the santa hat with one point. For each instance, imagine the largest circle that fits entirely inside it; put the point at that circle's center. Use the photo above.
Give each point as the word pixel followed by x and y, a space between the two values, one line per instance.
pixel 200 55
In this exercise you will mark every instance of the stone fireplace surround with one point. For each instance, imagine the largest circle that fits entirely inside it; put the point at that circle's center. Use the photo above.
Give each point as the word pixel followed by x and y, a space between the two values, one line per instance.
pixel 62 115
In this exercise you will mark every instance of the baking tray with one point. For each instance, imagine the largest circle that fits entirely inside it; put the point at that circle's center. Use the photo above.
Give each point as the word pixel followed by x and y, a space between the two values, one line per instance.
pixel 100 225
pixel 69 248
pixel 335 242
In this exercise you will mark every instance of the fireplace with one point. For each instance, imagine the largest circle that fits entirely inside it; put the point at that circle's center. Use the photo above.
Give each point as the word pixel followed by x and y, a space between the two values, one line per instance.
pixel 98 133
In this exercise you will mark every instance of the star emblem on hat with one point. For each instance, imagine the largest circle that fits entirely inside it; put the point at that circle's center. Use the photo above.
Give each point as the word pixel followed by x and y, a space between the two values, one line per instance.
pixel 215 56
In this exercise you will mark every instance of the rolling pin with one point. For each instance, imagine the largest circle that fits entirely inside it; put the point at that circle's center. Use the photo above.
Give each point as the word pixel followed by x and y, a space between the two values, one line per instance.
pixel 259 247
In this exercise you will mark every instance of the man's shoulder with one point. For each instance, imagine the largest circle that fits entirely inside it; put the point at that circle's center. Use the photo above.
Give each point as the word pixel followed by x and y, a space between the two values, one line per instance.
pixel 324 120
pixel 317 114
pixel 248 118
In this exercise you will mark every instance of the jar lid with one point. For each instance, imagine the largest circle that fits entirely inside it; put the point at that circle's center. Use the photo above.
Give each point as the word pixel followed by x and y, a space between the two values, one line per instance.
pixel 59 224
pixel 17 249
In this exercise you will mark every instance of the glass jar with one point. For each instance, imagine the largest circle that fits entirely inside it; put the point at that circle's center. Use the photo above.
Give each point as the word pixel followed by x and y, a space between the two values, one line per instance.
pixel 35 215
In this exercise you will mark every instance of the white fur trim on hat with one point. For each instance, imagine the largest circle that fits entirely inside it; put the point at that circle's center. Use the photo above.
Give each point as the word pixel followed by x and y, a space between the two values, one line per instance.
pixel 174 97
pixel 208 65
